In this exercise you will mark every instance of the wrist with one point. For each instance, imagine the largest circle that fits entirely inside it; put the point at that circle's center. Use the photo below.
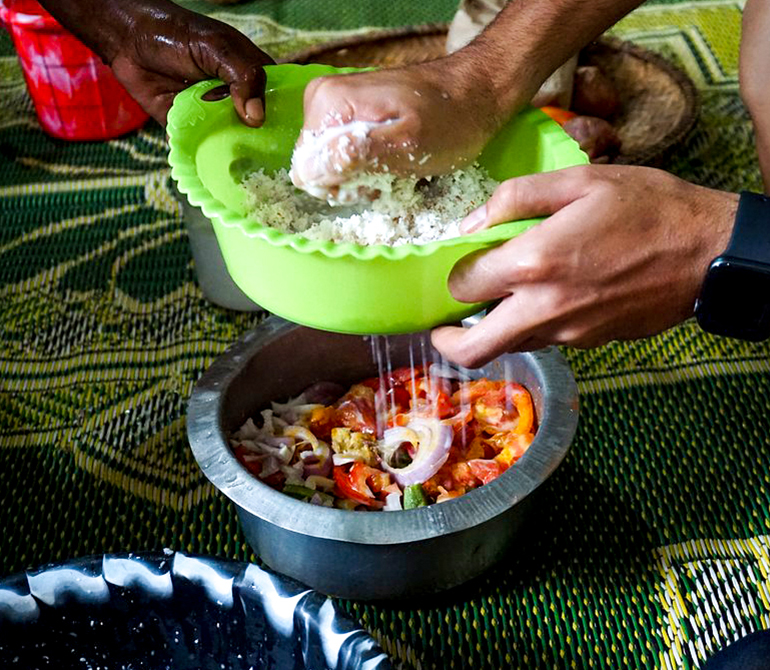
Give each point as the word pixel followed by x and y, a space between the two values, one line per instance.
pixel 107 26
pixel 99 25
pixel 465 81
pixel 734 298
pixel 527 42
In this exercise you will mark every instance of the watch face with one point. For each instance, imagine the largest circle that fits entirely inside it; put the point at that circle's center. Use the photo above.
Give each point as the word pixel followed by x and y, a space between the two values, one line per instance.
pixel 735 300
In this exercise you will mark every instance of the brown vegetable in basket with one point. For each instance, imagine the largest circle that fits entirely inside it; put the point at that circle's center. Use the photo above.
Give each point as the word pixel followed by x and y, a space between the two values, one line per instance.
pixel 594 135
pixel 593 93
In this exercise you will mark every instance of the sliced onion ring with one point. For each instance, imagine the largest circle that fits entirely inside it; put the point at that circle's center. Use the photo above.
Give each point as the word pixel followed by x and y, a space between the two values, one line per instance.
pixel 393 438
pixel 302 435
pixel 434 439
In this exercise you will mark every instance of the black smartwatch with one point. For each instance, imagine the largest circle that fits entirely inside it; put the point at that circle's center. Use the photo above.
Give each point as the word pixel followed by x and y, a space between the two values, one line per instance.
pixel 735 296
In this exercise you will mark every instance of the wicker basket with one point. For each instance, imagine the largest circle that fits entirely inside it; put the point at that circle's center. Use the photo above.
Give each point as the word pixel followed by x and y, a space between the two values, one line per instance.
pixel 659 102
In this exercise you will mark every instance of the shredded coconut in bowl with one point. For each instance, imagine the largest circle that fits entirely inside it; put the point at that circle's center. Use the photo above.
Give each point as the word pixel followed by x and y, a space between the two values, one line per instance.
pixel 405 210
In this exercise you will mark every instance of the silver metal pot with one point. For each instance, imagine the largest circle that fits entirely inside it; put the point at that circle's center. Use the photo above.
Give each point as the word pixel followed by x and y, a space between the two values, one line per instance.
pixel 370 555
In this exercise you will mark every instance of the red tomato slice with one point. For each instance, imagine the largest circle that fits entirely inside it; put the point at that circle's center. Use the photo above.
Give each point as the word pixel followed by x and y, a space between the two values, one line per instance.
pixel 444 406
pixel 322 420
pixel 404 376
pixel 346 487
pixel 485 470
pixel 372 382
pixel 375 479
pixel 276 480
pixel 401 398
pixel 356 410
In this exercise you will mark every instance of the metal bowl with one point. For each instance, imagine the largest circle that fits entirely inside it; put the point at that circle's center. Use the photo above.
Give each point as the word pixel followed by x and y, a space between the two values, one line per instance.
pixel 370 555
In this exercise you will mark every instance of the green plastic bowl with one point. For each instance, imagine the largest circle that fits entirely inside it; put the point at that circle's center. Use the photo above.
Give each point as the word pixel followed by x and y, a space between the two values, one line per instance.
pixel 346 288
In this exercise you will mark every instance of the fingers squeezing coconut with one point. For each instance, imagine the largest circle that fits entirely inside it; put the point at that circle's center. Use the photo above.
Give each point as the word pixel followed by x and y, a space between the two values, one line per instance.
pixel 328 164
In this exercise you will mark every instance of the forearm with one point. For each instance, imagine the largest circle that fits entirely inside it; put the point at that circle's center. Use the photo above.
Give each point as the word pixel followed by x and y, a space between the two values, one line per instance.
pixel 104 24
pixel 529 39
pixel 755 77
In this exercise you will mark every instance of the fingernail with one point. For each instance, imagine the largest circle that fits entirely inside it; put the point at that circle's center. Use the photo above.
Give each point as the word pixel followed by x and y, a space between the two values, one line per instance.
pixel 474 220
pixel 255 111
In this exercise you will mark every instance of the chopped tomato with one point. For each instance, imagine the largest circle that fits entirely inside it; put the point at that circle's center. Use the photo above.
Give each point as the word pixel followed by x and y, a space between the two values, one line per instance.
pixel 442 478
pixel 398 377
pixel 400 420
pixel 429 387
pixel 355 483
pixel 460 418
pixel 358 473
pixel 372 382
pixel 392 488
pixel 464 429
pixel 485 470
pixel 404 376
pixel 254 466
pixel 511 446
pixel 462 475
pixel 321 422
pixel 444 406
pixel 400 398
pixel 363 475
pixel 439 406
pixel 347 487
pixel 356 410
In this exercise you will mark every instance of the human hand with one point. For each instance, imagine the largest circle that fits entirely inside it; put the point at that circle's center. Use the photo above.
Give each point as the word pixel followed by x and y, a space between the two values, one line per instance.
pixel 423 119
pixel 621 255
pixel 157 48
pixel 166 56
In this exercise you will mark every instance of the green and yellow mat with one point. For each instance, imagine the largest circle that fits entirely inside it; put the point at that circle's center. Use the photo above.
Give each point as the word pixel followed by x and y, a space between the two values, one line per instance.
pixel 654 547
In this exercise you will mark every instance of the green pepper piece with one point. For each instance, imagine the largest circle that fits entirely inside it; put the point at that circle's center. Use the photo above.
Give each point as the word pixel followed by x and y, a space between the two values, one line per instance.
pixel 414 496
pixel 299 492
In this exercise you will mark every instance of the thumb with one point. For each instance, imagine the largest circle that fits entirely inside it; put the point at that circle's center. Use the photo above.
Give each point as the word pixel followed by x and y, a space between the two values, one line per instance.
pixel 247 88
pixel 530 196
pixel 239 63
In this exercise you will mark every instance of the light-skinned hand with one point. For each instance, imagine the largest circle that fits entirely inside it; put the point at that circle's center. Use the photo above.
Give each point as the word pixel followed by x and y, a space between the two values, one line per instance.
pixel 621 255
pixel 423 119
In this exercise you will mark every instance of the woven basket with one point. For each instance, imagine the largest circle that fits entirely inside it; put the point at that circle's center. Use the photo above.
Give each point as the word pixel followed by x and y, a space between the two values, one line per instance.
pixel 659 102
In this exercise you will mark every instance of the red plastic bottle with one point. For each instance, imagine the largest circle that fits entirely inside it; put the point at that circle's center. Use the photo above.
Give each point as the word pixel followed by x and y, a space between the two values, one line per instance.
pixel 76 96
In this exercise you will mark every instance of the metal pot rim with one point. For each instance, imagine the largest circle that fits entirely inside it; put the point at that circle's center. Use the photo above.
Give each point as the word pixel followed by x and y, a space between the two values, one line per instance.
pixel 206 435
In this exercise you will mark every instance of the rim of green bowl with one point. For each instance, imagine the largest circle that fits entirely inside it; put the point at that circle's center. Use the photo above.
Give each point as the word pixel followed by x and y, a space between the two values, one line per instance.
pixel 188 183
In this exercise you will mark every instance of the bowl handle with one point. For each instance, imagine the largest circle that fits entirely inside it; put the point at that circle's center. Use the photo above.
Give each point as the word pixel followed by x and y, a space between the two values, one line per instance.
pixel 188 108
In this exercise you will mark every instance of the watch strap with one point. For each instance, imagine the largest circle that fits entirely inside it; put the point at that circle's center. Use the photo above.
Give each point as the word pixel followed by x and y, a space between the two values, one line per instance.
pixel 750 239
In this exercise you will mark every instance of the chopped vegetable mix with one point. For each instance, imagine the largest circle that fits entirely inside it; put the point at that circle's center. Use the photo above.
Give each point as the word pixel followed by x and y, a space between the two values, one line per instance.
pixel 400 441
